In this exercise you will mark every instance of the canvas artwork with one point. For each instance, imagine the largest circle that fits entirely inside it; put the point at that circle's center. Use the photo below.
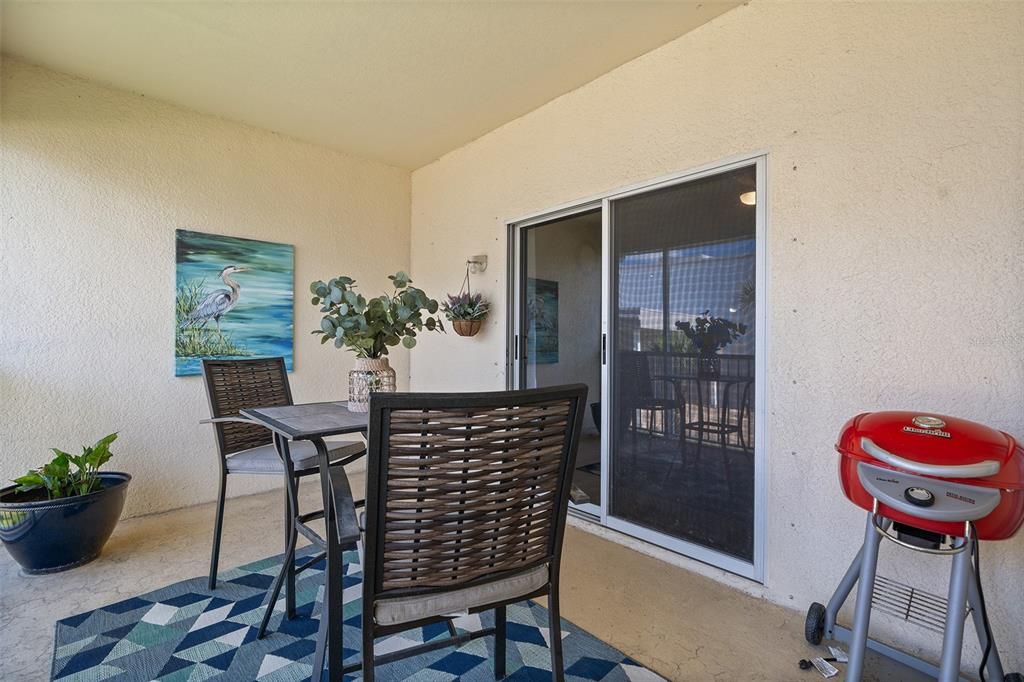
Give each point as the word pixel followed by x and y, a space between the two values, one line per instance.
pixel 234 299
pixel 542 320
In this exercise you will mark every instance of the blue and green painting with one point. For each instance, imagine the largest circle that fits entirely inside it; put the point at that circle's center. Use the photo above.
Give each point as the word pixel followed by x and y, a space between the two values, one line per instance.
pixel 234 299
pixel 542 321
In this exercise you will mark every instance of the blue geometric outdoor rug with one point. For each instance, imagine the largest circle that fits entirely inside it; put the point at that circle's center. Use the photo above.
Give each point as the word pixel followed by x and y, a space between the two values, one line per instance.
pixel 187 633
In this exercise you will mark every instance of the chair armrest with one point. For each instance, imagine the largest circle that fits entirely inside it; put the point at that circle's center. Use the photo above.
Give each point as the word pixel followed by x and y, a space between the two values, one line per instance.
pixel 222 420
pixel 344 507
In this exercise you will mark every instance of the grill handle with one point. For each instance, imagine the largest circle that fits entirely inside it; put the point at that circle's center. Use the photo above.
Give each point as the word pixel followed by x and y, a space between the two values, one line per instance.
pixel 988 467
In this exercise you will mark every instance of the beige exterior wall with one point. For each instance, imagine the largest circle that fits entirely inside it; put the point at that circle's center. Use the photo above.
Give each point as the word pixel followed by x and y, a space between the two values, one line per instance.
pixel 95 181
pixel 895 239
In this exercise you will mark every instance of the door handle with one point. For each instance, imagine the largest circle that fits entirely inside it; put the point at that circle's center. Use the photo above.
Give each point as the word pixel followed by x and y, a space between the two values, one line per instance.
pixel 604 349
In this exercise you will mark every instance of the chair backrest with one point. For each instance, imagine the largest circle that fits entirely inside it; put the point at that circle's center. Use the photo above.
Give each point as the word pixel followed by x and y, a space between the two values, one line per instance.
pixel 233 385
pixel 467 488
pixel 634 376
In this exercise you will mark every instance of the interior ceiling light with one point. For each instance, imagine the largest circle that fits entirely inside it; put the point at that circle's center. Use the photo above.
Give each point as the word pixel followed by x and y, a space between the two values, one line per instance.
pixel 748 198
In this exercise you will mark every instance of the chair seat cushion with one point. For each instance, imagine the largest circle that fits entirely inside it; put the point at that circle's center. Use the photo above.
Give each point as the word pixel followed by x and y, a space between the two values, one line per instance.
pixel 265 460
pixel 457 602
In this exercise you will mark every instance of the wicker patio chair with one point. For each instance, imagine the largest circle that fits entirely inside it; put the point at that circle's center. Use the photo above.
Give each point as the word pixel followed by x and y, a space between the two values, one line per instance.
pixel 247 448
pixel 467 496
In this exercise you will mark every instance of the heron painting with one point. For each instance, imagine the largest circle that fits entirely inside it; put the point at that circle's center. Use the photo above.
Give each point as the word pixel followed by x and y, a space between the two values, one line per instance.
pixel 234 299
pixel 542 321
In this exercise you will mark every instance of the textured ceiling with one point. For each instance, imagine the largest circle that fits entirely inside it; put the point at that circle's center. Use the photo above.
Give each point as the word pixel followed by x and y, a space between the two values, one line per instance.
pixel 400 82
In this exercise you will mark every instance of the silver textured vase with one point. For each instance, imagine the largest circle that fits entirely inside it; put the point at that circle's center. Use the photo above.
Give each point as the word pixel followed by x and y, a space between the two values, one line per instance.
pixel 370 375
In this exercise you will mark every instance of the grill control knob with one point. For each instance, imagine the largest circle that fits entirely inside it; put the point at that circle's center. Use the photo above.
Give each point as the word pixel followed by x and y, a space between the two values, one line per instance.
pixel 922 497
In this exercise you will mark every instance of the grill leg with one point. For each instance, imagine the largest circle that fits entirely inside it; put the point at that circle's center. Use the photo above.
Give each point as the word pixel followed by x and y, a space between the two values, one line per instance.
pixel 953 638
pixel 843 590
pixel 840 595
pixel 862 608
pixel 994 667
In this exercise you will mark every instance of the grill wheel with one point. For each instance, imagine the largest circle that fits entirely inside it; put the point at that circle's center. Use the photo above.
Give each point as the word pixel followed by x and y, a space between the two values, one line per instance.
pixel 814 626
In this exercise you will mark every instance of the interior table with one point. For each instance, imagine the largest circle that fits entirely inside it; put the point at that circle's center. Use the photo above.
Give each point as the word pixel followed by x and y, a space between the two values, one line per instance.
pixel 315 422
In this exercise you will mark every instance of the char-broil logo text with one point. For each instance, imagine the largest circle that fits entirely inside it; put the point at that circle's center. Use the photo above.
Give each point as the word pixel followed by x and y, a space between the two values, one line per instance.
pixel 928 432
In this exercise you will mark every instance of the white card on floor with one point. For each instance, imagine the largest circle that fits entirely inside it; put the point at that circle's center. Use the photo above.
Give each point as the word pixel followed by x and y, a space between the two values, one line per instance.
pixel 824 667
pixel 839 654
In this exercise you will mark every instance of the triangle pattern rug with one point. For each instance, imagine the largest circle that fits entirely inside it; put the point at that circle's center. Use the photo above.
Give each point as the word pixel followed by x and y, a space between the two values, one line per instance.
pixel 187 633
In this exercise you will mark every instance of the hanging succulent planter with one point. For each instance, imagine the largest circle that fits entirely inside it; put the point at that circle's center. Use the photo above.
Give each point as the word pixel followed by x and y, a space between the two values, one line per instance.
pixel 467 327
pixel 467 311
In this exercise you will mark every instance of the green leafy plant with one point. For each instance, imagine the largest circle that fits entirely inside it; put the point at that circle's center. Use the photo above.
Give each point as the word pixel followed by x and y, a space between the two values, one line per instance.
pixel 748 295
pixel 465 306
pixel 59 480
pixel 711 334
pixel 369 327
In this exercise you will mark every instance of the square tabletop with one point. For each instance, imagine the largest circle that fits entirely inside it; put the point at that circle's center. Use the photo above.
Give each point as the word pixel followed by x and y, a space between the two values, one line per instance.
pixel 312 420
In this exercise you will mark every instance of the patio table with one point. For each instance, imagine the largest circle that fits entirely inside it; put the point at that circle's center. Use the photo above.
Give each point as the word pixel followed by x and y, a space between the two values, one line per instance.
pixel 314 422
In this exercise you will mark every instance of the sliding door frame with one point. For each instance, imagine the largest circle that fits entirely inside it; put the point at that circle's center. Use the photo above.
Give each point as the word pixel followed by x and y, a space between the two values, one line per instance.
pixel 516 268
pixel 515 362
pixel 755 569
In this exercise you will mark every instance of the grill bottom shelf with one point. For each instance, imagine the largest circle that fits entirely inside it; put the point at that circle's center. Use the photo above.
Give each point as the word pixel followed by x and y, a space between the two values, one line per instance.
pixel 910 604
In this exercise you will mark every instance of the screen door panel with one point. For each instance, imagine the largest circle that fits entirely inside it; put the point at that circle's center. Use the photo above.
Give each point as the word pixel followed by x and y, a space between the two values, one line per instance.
pixel 682 316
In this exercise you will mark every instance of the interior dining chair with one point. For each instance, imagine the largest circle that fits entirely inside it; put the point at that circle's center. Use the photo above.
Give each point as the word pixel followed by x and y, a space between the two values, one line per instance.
pixel 638 395
pixel 467 496
pixel 247 448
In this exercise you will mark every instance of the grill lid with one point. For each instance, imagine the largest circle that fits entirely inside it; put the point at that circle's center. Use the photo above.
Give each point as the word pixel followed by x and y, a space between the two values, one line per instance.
pixel 935 445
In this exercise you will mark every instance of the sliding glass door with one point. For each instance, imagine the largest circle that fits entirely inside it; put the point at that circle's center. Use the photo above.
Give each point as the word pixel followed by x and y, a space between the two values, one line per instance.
pixel 683 370
pixel 653 297
pixel 560 321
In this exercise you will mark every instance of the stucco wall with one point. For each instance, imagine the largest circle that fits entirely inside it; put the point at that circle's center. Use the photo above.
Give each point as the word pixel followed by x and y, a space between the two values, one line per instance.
pixel 95 181
pixel 895 238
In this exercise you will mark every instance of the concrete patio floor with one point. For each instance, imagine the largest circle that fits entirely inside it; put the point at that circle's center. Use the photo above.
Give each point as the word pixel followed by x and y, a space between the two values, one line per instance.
pixel 683 626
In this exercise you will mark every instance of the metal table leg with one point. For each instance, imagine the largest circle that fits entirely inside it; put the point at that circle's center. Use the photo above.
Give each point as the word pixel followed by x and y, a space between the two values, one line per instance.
pixel 331 613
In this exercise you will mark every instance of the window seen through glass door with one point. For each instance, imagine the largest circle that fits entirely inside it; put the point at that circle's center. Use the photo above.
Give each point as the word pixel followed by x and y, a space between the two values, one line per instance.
pixel 683 314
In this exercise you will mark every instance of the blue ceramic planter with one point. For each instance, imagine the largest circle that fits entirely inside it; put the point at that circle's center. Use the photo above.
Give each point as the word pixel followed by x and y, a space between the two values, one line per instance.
pixel 47 536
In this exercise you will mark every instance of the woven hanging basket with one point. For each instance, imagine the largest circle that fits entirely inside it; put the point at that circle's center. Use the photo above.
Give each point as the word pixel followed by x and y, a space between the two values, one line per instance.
pixel 467 327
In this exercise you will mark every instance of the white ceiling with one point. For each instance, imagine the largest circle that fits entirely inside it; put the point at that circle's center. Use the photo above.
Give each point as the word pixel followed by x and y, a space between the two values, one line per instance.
pixel 400 82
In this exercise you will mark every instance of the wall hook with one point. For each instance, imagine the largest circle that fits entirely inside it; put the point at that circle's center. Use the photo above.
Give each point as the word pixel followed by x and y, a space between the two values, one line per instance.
pixel 477 264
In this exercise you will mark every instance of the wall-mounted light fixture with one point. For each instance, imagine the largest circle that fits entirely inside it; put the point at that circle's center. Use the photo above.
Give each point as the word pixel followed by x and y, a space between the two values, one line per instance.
pixel 748 198
pixel 477 264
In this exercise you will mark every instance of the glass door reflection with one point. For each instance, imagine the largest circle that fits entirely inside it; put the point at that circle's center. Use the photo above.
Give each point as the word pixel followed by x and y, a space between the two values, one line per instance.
pixel 560 323
pixel 682 374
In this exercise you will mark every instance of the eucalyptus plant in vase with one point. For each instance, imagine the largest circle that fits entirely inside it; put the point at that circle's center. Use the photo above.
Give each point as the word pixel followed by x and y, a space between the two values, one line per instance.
pixel 370 327
pixel 709 335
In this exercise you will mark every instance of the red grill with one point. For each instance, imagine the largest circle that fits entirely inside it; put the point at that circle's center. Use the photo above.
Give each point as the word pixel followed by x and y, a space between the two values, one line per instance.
pixel 932 484
pixel 965 465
